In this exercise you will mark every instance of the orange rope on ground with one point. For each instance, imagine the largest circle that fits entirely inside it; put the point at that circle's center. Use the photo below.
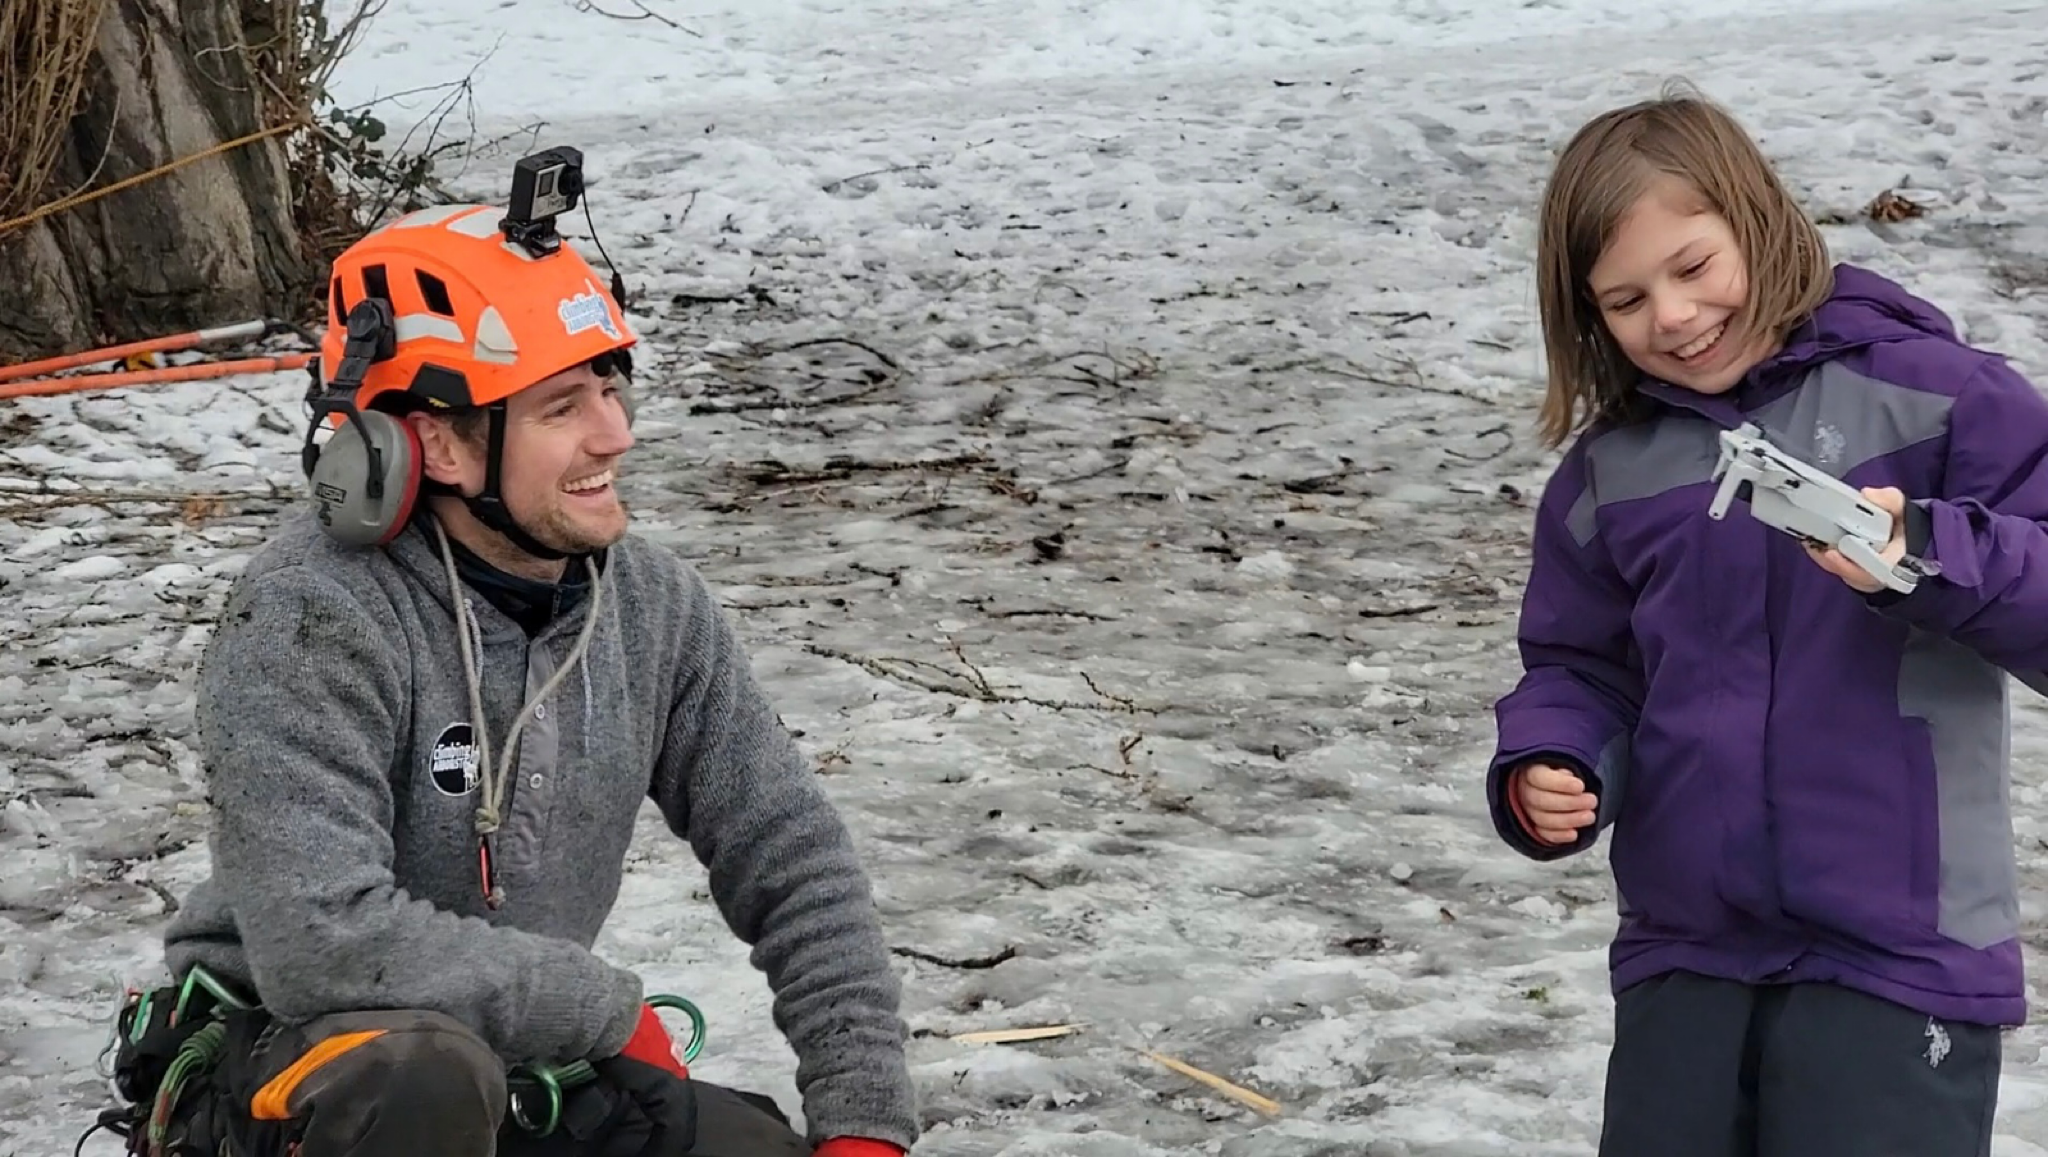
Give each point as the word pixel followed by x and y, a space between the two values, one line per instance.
pixel 184 341
pixel 186 373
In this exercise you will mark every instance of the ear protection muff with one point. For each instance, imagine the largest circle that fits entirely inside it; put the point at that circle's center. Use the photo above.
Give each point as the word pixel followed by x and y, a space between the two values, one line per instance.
pixel 365 479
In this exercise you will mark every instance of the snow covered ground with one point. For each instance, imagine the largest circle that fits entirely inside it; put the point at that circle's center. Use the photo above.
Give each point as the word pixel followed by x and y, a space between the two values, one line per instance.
pixel 1158 694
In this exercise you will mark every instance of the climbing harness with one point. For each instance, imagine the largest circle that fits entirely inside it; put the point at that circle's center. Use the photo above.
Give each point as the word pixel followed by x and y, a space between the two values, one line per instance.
pixel 166 1041
pixel 163 1041
pixel 197 1055
pixel 526 1082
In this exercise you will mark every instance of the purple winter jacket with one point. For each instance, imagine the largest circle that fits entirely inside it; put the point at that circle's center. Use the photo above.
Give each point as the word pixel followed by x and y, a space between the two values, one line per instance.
pixel 1803 783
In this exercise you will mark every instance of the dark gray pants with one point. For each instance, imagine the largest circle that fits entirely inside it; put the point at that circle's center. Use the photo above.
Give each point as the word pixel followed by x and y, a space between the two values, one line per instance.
pixel 407 1082
pixel 1705 1066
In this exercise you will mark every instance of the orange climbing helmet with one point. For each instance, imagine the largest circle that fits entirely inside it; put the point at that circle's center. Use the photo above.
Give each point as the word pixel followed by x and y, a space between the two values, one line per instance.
pixel 478 317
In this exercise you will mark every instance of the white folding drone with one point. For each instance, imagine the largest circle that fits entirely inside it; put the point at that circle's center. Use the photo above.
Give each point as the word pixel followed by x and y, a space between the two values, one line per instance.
pixel 1807 504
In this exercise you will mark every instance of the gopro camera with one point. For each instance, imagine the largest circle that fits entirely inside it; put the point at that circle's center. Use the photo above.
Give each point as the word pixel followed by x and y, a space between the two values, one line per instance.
pixel 544 185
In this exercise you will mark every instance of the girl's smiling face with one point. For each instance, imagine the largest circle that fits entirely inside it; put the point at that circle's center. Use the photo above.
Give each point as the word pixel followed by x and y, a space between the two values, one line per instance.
pixel 1671 285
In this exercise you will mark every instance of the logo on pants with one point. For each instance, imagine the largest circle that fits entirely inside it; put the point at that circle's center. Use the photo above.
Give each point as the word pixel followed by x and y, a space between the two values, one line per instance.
pixel 1937 1042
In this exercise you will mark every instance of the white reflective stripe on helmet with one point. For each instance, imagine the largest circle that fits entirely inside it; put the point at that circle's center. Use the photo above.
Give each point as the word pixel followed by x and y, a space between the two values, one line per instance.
pixel 494 341
pixel 412 326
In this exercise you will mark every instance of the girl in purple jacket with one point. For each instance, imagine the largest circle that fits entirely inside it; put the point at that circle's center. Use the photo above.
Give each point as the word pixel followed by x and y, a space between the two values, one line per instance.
pixel 1805 772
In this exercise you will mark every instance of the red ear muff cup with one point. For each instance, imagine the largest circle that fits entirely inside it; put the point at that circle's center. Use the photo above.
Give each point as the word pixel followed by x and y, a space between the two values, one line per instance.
pixel 409 491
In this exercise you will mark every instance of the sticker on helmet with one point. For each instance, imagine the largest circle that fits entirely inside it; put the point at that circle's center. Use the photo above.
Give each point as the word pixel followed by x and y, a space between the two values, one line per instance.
pixel 588 311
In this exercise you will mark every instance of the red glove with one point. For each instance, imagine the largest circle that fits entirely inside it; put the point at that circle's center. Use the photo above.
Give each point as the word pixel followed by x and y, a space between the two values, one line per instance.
pixel 857 1148
pixel 652 1045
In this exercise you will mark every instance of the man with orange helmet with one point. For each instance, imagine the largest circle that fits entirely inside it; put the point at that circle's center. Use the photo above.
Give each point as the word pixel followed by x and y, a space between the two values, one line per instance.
pixel 430 714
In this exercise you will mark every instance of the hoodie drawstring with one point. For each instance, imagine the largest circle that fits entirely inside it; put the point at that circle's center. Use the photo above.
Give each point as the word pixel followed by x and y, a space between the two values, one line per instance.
pixel 490 805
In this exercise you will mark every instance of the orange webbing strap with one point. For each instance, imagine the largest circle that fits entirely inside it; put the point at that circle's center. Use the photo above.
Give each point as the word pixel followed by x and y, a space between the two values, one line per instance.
pixel 272 1103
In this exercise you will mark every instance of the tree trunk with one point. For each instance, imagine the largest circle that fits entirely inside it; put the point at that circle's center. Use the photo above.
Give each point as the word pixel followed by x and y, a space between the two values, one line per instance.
pixel 209 243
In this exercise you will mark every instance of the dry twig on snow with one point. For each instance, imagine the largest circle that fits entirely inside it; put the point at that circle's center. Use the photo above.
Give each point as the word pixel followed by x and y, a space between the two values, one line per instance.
pixel 747 366
pixel 968 684
pixel 644 13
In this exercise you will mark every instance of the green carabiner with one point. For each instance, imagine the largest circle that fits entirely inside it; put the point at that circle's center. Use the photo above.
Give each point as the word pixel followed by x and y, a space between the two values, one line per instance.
pixel 143 1006
pixel 516 1099
pixel 197 978
pixel 690 1010
pixel 552 1080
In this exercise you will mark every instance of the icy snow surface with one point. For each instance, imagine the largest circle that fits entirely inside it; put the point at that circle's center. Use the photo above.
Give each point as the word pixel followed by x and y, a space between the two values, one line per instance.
pixel 1158 696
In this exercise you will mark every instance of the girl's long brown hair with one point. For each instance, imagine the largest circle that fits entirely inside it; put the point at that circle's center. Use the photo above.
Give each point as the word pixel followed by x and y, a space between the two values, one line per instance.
pixel 1604 169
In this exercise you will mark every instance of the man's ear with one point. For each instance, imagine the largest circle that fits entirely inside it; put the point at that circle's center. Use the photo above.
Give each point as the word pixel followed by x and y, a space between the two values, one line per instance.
pixel 444 456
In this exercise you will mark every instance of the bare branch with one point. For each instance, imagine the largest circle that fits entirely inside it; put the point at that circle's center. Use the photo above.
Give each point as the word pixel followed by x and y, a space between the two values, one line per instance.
pixel 645 13
pixel 837 182
pixel 969 685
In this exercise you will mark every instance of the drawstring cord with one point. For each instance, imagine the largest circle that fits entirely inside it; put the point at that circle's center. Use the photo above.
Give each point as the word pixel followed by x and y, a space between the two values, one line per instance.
pixel 491 804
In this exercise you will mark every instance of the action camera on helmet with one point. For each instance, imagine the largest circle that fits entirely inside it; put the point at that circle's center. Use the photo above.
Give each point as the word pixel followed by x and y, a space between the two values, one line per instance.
pixel 544 185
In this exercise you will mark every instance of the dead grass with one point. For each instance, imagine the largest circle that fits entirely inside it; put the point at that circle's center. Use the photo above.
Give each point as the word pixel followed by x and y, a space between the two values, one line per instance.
pixel 45 56
pixel 1890 206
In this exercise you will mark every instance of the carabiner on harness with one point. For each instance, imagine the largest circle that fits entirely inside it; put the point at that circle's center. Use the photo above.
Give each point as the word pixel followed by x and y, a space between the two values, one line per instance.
pixel 548 1082
pixel 164 1040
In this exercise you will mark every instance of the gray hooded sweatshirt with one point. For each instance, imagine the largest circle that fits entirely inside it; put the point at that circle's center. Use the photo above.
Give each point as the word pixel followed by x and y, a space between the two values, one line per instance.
pixel 339 745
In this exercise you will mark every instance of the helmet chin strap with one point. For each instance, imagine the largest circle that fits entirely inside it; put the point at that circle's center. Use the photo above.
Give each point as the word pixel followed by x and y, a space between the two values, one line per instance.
pixel 489 505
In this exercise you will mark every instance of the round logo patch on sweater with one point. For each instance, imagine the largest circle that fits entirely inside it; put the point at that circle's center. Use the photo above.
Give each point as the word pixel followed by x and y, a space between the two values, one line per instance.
pixel 454 765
